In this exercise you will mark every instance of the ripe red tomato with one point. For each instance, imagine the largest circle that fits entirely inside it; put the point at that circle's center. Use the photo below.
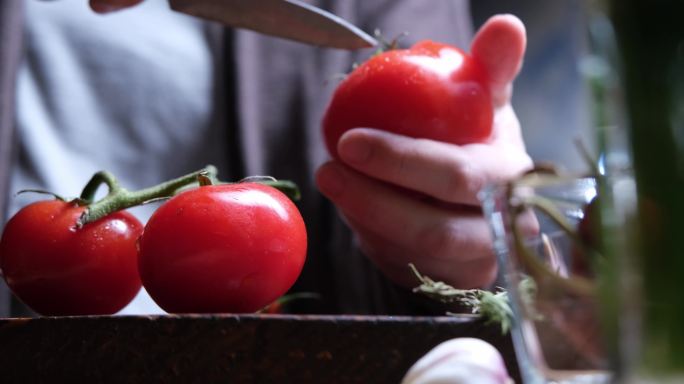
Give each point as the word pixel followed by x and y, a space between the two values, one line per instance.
pixel 58 269
pixel 431 90
pixel 229 248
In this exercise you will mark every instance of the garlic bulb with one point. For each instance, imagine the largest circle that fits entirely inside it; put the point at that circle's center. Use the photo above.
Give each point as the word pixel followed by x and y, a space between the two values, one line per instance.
pixel 460 361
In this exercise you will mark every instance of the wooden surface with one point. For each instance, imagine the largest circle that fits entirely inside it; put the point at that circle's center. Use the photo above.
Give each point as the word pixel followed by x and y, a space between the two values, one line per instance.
pixel 227 348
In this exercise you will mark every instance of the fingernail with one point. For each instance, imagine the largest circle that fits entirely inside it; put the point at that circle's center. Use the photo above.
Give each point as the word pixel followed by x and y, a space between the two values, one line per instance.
pixel 104 8
pixel 100 7
pixel 354 151
pixel 330 180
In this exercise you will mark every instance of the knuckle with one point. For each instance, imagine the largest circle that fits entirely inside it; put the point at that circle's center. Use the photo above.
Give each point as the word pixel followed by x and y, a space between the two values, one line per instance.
pixel 403 166
pixel 463 181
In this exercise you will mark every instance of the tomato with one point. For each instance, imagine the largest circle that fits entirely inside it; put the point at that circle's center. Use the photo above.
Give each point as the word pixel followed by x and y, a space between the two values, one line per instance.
pixel 58 269
pixel 230 248
pixel 587 229
pixel 431 90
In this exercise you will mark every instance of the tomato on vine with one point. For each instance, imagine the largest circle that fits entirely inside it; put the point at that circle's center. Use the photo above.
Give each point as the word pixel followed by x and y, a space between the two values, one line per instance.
pixel 217 248
pixel 227 248
pixel 57 268
pixel 79 257
pixel 432 90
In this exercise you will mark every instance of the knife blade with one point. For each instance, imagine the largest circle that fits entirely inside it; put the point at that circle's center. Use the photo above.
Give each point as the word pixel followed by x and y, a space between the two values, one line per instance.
pixel 289 19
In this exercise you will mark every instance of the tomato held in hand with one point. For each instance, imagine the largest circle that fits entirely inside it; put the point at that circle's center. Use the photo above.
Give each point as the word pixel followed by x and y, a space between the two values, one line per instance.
pixel 59 269
pixel 431 90
pixel 229 248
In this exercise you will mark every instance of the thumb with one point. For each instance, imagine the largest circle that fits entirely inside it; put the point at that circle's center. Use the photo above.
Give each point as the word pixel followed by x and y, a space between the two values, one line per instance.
pixel 500 46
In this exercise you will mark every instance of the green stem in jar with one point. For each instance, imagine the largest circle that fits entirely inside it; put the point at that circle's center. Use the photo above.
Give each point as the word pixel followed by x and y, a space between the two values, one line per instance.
pixel 575 284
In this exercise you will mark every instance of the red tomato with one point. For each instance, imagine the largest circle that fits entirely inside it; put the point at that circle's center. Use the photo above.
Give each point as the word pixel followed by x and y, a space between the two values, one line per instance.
pixel 58 269
pixel 431 90
pixel 587 230
pixel 228 248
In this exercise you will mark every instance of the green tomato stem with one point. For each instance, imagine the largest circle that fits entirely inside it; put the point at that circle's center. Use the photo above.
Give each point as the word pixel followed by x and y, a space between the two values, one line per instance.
pixel 102 177
pixel 289 188
pixel 119 198
pixel 42 192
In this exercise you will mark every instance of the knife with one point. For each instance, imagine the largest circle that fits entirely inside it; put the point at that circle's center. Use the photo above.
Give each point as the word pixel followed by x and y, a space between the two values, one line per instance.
pixel 289 19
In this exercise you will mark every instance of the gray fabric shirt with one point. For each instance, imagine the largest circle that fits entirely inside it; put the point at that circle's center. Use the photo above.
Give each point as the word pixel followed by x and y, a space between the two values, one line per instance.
pixel 256 100
pixel 10 52
pixel 142 102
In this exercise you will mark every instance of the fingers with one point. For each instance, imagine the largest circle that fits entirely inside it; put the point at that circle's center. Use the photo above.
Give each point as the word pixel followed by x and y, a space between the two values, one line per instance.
pixel 398 229
pixel 106 6
pixel 449 173
pixel 500 46
pixel 474 271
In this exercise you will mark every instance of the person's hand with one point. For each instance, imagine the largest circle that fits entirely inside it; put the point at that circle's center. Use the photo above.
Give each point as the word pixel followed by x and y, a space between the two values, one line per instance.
pixel 105 6
pixel 438 225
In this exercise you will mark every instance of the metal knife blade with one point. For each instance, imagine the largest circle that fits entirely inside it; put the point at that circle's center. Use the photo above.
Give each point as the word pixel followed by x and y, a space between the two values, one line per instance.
pixel 290 19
